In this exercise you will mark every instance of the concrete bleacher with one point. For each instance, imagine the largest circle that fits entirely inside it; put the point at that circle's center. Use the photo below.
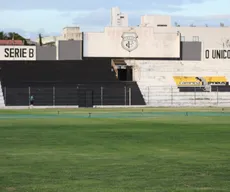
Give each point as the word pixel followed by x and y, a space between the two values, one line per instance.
pixel 66 83
pixel 158 87
pixel 65 94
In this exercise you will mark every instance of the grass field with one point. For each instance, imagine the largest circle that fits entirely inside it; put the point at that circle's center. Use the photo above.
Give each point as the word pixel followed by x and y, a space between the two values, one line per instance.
pixel 158 153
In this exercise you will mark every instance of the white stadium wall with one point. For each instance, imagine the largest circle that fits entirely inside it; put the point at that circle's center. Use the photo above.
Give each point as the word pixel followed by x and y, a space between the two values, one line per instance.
pixel 158 87
pixel 155 78
pixel 150 50
pixel 160 73
pixel 215 41
pixel 9 53
pixel 140 42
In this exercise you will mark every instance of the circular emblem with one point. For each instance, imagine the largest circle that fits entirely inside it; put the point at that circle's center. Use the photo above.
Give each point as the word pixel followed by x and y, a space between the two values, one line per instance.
pixel 129 41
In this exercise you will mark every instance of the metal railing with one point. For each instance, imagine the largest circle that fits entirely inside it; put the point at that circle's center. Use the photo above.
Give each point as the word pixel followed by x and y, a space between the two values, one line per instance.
pixel 115 95
pixel 73 95
pixel 186 96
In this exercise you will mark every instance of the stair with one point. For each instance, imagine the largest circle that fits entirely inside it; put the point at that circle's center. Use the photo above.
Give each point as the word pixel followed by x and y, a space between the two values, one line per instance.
pixel 114 68
pixel 158 88
pixel 2 102
pixel 207 87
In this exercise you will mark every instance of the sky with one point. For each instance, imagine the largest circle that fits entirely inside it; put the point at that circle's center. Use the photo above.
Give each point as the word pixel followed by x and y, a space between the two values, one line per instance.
pixel 29 18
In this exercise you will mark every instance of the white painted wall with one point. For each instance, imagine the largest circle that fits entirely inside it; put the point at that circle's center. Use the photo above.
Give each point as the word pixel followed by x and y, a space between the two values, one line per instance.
pixel 150 43
pixel 146 70
pixel 71 33
pixel 118 19
pixel 156 41
pixel 156 20
pixel 212 38
pixel 155 80
pixel 50 39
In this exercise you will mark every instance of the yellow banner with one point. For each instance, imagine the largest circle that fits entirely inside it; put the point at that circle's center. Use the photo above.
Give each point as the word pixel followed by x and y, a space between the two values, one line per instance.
pixel 216 80
pixel 188 81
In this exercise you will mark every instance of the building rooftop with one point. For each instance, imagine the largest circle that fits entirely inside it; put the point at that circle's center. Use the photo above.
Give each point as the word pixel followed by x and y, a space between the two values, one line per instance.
pixel 11 42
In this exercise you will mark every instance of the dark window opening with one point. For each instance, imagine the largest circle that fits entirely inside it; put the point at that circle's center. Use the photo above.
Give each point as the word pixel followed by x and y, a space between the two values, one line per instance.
pixel 125 74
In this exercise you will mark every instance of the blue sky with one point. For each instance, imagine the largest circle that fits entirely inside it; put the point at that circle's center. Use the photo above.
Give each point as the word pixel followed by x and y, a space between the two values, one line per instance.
pixel 49 17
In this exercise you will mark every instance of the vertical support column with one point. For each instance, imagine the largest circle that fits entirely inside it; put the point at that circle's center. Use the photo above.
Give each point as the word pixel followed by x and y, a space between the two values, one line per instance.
pixel 130 96
pixel 5 95
pixel 57 49
pixel 194 95
pixel 125 94
pixel 101 96
pixel 148 96
pixel 54 96
pixel 29 93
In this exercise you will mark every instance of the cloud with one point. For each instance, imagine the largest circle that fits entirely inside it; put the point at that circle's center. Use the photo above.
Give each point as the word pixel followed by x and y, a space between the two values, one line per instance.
pixel 210 7
pixel 26 34
pixel 100 17
pixel 49 17
pixel 89 5
pixel 32 20
pixel 182 13
pixel 200 21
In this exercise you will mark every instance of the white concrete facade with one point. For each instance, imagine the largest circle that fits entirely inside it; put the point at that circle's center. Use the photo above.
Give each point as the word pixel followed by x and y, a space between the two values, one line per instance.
pixel 155 80
pixel 155 77
pixel 138 42
pixel 156 37
pixel 68 33
pixel 150 31
pixel 50 39
pixel 155 21
pixel 71 33
pixel 118 19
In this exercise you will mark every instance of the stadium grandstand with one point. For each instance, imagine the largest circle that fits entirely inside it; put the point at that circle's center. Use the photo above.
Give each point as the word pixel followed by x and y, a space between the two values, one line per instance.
pixel 152 64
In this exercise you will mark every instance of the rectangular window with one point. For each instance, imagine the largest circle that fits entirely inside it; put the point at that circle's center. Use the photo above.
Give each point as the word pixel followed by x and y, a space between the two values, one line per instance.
pixel 195 38
pixel 182 38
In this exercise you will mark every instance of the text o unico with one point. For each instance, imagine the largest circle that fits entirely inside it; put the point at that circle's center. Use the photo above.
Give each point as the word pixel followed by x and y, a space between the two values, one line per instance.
pixel 207 54
pixel 217 54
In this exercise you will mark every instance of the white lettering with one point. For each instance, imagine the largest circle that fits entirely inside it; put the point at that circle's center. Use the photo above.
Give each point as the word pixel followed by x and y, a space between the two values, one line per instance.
pixel 189 83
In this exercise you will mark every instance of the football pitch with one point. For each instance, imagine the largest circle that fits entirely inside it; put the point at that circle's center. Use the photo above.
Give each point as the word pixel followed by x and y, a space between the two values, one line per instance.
pixel 115 150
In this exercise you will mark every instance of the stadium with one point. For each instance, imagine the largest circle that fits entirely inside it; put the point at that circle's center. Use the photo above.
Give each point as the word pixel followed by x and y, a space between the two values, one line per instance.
pixel 154 64
pixel 131 108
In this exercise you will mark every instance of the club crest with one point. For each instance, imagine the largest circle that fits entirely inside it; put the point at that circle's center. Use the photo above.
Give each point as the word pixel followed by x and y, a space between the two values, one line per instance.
pixel 129 41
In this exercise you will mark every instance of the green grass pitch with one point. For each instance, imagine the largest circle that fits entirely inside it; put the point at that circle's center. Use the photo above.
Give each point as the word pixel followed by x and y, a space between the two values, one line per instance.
pixel 158 153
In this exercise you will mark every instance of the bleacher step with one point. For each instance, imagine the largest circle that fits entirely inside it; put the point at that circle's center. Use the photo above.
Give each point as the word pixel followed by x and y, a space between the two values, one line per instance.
pixel 155 80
